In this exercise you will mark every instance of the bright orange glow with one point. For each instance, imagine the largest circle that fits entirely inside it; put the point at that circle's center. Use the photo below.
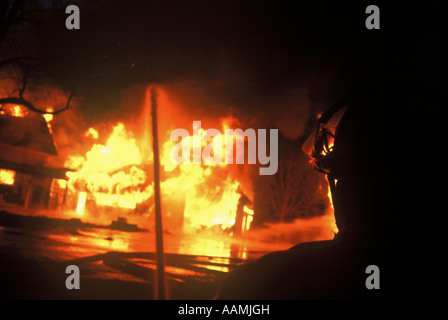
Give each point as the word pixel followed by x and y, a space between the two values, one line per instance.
pixel 111 173
pixel 115 174
pixel 330 198
pixel 61 183
pixel 92 133
pixel 49 118
pixel 7 177
pixel 217 207
pixel 80 207
pixel 335 228
pixel 18 111
pixel 248 218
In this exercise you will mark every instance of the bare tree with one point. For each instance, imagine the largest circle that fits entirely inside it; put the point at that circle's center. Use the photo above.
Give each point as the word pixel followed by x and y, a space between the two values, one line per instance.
pixel 22 69
pixel 296 190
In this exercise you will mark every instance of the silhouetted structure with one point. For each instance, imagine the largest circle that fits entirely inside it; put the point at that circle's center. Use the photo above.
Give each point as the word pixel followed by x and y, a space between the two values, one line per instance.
pixel 26 146
pixel 241 215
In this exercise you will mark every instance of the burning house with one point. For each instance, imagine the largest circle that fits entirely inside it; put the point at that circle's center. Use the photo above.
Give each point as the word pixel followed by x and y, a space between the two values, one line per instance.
pixel 111 174
pixel 111 177
pixel 115 179
pixel 27 179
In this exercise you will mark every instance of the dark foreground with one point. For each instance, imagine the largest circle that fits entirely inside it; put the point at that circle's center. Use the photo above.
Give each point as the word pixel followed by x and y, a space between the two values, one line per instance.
pixel 35 252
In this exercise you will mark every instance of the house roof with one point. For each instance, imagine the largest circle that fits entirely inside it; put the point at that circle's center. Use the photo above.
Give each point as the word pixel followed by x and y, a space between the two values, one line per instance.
pixel 29 132
pixel 43 171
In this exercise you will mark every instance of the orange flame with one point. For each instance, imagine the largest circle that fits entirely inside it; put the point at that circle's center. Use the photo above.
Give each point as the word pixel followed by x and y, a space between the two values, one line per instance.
pixel 7 177
pixel 110 173
pixel 49 118
pixel 115 174
pixel 18 111
pixel 330 198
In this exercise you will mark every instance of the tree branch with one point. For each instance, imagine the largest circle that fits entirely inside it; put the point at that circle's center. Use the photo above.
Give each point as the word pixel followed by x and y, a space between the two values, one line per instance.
pixel 23 102
pixel 24 83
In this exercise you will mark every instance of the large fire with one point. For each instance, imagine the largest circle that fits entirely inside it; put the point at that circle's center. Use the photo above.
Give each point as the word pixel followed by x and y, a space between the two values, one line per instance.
pixel 118 174
pixel 111 181
pixel 111 173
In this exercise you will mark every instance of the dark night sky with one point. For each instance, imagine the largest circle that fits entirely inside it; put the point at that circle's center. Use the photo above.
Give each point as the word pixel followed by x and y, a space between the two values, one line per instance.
pixel 243 52
pixel 273 44
pixel 265 38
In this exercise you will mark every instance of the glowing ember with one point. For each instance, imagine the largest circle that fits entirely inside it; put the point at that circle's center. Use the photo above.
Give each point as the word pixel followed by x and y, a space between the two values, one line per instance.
pixel 13 110
pixel 49 118
pixel 7 177
pixel 18 111
pixel 92 133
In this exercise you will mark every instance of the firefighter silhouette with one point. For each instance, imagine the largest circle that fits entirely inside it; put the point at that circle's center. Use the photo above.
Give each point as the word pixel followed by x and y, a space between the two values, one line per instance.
pixel 351 146
pixel 381 153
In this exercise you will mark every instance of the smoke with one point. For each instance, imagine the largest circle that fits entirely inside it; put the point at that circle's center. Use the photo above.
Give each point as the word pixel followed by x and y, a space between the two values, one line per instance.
pixel 288 111
pixel 68 129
